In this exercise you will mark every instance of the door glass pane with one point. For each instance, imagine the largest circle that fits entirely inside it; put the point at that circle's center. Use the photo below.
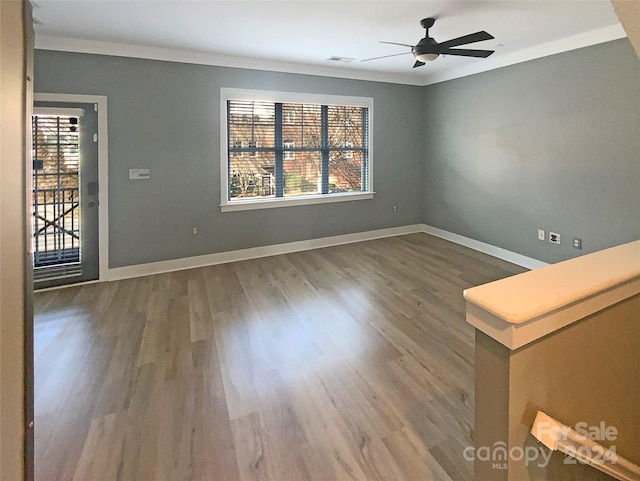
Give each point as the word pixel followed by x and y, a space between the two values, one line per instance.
pixel 56 180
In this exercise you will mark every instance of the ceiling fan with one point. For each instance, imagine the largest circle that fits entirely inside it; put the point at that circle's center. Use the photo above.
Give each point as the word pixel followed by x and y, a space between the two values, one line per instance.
pixel 428 49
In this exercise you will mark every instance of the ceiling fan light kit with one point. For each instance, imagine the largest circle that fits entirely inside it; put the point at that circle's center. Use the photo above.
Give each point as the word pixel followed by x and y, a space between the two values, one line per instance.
pixel 426 57
pixel 427 49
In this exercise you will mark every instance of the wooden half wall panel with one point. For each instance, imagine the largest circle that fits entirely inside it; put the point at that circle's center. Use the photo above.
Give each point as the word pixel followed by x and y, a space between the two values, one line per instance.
pixel 584 373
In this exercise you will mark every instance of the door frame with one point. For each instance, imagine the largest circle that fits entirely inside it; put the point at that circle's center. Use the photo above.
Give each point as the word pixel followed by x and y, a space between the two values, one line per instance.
pixel 103 170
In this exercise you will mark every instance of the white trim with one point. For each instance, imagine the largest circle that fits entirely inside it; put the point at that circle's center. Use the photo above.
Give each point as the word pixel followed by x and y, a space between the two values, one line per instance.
pixel 520 309
pixel 224 160
pixel 594 37
pixel 58 111
pixel 151 268
pixel 272 202
pixel 499 252
pixel 226 94
pixel 514 336
pixel 103 168
pixel 256 252
pixel 63 44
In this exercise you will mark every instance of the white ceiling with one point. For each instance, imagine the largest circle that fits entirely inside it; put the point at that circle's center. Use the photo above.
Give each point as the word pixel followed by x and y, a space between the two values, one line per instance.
pixel 299 36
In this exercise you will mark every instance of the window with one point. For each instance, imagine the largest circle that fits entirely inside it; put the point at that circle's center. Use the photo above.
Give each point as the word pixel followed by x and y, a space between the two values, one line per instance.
pixel 237 144
pixel 289 116
pixel 348 154
pixel 253 147
pixel 288 153
pixel 301 149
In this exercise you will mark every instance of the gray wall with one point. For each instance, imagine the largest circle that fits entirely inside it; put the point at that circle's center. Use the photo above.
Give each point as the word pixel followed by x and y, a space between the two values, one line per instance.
pixel 552 143
pixel 165 116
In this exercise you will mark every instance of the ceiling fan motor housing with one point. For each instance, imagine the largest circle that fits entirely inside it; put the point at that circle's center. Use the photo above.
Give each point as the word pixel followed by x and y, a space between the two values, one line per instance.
pixel 427 49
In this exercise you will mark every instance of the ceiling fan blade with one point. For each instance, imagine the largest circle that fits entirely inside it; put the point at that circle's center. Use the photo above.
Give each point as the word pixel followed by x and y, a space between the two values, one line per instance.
pixel 396 43
pixel 384 56
pixel 471 38
pixel 466 52
pixel 418 64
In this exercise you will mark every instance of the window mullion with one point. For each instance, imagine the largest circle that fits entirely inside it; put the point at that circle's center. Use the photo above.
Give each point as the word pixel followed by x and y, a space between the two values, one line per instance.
pixel 278 168
pixel 324 148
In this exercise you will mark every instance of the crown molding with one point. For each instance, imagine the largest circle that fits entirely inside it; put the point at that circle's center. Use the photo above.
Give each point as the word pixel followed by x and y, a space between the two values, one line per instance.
pixel 593 37
pixel 204 58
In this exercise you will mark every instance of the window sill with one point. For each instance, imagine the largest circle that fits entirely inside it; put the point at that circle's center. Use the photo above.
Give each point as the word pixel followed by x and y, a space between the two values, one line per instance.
pixel 293 201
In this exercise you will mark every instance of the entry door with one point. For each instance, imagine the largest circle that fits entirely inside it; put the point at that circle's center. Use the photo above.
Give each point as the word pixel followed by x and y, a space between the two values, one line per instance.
pixel 65 193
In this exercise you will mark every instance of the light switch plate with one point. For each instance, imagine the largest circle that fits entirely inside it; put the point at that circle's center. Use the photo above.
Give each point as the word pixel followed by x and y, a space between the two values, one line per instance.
pixel 139 174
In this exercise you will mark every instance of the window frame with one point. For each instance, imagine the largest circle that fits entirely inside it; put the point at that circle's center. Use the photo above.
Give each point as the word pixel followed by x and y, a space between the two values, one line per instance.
pixel 288 152
pixel 256 153
pixel 227 204
pixel 236 146
pixel 348 154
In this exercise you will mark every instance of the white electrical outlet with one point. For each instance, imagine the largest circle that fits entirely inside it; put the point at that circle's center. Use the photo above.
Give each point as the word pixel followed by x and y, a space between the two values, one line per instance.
pixel 541 235
pixel 554 238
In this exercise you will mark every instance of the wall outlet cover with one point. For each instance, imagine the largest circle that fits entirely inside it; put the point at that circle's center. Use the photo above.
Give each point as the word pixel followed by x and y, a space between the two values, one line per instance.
pixel 554 238
pixel 541 234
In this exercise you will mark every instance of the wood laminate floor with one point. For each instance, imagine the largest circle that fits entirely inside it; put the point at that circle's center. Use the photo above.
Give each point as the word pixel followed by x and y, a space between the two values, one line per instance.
pixel 345 363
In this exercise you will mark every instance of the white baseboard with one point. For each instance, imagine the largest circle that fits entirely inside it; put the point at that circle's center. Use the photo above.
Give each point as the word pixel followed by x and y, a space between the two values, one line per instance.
pixel 127 272
pixel 499 252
